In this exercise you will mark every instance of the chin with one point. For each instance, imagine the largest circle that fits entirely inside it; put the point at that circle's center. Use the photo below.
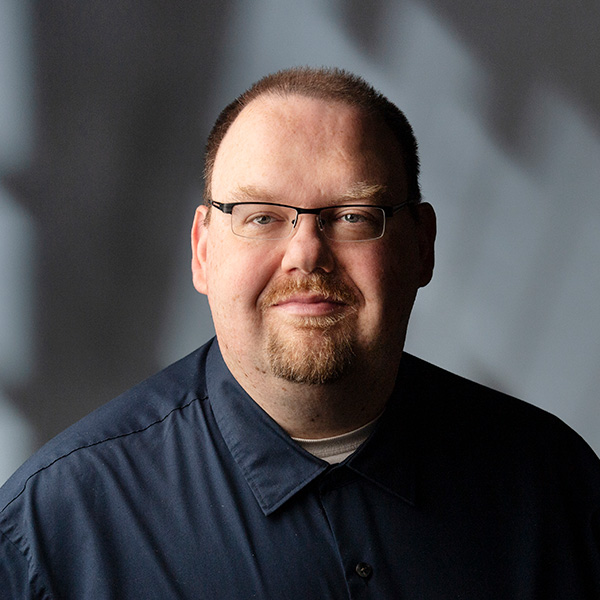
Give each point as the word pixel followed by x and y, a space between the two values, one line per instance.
pixel 312 356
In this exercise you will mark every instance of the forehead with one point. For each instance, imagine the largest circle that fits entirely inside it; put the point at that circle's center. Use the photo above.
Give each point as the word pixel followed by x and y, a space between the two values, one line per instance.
pixel 298 140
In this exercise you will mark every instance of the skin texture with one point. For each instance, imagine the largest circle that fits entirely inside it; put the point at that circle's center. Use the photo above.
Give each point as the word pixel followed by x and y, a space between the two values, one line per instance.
pixel 306 295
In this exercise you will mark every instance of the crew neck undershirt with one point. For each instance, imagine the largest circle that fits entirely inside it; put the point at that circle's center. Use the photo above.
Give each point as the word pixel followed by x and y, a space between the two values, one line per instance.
pixel 337 448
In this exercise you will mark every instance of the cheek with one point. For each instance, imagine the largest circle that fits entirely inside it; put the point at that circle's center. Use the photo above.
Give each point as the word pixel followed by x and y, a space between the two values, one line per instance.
pixel 389 281
pixel 237 275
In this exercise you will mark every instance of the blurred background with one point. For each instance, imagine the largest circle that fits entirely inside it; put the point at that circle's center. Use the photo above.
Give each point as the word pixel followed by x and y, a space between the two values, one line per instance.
pixel 104 109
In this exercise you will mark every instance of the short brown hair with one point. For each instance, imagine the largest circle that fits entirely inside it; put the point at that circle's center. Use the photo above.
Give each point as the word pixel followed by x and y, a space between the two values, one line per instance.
pixel 325 84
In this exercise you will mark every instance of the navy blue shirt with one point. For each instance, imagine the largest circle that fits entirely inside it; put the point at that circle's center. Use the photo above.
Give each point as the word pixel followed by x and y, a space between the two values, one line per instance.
pixel 184 488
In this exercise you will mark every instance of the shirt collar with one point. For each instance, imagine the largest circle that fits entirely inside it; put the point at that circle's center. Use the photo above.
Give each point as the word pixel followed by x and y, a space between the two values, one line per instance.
pixel 275 467
pixel 387 458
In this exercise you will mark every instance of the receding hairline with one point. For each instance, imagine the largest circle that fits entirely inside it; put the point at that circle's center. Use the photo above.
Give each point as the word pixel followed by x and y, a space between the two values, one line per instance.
pixel 276 98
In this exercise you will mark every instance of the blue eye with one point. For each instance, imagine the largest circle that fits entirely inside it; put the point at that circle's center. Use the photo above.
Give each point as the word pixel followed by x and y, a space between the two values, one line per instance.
pixel 263 220
pixel 352 218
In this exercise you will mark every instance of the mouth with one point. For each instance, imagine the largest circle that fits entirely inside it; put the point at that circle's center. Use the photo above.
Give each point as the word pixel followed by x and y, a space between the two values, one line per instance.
pixel 314 299
pixel 312 305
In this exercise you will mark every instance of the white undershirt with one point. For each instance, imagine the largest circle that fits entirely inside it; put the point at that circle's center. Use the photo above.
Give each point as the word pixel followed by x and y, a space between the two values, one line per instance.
pixel 337 448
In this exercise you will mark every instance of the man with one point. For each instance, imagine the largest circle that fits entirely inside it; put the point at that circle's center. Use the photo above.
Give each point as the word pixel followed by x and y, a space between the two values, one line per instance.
pixel 302 454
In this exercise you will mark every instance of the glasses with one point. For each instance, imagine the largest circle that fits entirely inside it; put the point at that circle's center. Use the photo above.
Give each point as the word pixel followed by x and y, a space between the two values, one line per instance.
pixel 269 221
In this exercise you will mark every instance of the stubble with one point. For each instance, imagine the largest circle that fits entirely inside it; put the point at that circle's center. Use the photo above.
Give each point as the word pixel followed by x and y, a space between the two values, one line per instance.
pixel 312 349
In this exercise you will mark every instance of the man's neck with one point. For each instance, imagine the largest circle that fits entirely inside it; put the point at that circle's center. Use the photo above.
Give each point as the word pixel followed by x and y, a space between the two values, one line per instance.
pixel 312 411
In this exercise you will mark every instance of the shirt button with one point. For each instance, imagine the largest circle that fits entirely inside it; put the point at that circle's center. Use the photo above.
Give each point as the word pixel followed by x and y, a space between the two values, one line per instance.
pixel 364 570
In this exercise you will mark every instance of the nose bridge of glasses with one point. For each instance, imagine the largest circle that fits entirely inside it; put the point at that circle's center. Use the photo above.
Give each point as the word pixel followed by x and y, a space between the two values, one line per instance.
pixel 308 211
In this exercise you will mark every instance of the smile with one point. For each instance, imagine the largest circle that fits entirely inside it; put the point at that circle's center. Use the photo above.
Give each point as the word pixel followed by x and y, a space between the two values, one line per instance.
pixel 309 305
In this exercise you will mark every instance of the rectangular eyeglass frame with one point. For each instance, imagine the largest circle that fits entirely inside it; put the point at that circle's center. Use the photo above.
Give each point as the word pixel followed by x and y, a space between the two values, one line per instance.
pixel 388 211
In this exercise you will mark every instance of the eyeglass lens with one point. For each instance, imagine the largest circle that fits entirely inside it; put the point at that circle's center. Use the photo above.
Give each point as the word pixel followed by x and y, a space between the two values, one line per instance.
pixel 340 223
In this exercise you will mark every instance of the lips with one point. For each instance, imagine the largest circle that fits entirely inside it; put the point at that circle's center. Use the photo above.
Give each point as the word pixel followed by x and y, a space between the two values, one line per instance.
pixel 308 299
pixel 313 295
pixel 309 304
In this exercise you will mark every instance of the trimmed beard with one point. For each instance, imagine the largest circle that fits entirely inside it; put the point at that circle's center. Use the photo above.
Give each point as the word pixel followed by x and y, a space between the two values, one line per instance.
pixel 313 350
pixel 318 353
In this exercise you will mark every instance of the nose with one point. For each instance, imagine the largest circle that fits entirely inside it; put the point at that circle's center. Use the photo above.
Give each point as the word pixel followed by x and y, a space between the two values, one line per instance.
pixel 307 249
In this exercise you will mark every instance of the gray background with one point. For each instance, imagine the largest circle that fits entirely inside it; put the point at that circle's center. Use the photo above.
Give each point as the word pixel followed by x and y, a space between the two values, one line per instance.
pixel 104 109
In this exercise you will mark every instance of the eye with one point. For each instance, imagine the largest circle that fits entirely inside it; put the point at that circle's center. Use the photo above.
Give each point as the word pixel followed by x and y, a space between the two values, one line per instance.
pixel 352 218
pixel 260 217
pixel 354 215
pixel 263 219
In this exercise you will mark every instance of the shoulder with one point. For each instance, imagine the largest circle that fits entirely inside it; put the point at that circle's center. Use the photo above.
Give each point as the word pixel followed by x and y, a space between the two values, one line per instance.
pixel 490 426
pixel 445 392
pixel 145 405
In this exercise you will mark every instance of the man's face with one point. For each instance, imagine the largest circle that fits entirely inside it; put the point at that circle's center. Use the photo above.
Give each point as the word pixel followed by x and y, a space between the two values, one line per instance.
pixel 306 308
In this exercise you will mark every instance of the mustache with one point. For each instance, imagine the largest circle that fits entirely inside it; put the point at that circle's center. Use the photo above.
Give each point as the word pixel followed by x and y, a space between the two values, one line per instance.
pixel 331 288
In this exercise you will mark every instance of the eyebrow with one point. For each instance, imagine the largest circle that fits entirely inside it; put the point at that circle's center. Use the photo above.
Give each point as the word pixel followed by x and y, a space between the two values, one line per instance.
pixel 250 193
pixel 364 191
pixel 360 191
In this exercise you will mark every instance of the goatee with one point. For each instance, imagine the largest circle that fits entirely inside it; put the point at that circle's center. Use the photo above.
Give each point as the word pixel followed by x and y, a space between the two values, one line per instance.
pixel 313 349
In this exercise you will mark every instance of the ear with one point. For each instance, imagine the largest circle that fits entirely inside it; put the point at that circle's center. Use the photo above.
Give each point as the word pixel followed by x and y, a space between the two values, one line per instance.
pixel 199 242
pixel 426 231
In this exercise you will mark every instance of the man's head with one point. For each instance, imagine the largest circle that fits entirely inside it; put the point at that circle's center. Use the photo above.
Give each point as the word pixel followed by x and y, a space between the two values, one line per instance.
pixel 329 297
